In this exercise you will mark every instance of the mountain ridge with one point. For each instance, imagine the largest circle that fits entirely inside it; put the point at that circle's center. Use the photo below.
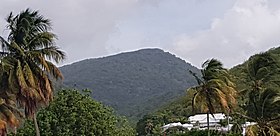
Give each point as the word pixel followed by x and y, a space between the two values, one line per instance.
pixel 133 83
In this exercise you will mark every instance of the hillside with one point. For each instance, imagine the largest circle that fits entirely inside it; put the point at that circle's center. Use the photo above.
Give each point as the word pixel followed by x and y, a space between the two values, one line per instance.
pixel 240 71
pixel 179 109
pixel 133 83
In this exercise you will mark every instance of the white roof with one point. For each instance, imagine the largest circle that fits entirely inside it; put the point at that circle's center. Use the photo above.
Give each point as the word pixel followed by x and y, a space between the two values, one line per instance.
pixel 187 125
pixel 249 124
pixel 172 125
pixel 165 127
pixel 202 118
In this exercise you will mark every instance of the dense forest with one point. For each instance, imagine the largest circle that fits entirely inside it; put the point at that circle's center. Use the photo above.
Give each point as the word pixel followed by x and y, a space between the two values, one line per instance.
pixel 133 83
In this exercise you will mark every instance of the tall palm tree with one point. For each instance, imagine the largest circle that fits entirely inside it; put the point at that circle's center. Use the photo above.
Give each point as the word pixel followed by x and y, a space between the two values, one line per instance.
pixel 263 103
pixel 30 50
pixel 214 89
pixel 264 108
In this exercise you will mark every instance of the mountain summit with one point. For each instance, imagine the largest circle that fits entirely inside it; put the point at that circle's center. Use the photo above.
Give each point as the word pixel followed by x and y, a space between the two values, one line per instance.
pixel 133 83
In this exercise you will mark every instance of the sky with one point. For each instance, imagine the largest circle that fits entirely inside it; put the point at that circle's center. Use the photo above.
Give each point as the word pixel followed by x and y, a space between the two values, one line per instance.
pixel 194 30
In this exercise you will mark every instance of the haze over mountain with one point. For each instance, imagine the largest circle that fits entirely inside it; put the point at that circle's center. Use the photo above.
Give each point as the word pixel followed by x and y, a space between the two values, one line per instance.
pixel 133 83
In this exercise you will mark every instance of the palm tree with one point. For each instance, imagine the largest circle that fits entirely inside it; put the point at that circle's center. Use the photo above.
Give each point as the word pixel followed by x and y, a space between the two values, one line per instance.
pixel 262 69
pixel 214 89
pixel 264 108
pixel 263 103
pixel 8 110
pixel 30 50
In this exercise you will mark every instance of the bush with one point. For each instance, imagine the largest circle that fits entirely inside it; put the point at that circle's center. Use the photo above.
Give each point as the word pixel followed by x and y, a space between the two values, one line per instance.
pixel 73 113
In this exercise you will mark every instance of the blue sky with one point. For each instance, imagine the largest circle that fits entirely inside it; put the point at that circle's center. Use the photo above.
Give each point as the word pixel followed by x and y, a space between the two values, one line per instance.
pixel 194 30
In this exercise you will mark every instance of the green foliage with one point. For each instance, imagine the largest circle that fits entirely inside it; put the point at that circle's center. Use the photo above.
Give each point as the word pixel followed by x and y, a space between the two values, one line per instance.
pixel 266 69
pixel 133 83
pixel 176 111
pixel 73 113
pixel 260 92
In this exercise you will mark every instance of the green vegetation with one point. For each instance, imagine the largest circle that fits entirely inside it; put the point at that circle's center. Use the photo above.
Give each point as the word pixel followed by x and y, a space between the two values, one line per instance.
pixel 73 113
pixel 242 78
pixel 25 65
pixel 261 98
pixel 215 92
pixel 133 83
pixel 177 111
pixel 257 83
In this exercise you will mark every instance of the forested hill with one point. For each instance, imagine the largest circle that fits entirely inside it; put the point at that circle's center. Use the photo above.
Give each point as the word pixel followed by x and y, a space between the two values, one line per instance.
pixel 133 83
pixel 240 71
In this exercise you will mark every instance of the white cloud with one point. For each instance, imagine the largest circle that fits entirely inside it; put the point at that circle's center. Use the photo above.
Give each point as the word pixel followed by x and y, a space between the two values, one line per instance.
pixel 247 28
pixel 195 30
pixel 155 23
pixel 83 27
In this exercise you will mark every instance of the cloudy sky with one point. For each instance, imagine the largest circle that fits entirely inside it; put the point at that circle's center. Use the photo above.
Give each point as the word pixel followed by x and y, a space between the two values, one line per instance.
pixel 194 30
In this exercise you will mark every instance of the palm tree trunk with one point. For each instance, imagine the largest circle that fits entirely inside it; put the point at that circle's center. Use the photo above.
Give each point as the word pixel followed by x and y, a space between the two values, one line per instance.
pixel 228 122
pixel 208 133
pixel 4 132
pixel 15 130
pixel 36 125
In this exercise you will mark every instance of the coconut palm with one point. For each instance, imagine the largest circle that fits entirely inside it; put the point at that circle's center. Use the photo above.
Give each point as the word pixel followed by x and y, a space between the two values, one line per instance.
pixel 214 89
pixel 8 110
pixel 29 51
pixel 263 103
pixel 263 70
pixel 264 108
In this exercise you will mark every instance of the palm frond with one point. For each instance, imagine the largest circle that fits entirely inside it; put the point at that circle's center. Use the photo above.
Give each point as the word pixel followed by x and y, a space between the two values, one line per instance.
pixel 4 45
pixel 221 96
pixel 20 76
pixel 29 76
pixel 54 71
pixel 216 88
pixel 198 80
pixel 273 132
pixel 13 82
pixel 41 40
pixel 252 130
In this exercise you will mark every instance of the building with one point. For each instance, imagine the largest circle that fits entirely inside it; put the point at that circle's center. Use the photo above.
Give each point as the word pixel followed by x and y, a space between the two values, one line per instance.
pixel 200 120
pixel 178 124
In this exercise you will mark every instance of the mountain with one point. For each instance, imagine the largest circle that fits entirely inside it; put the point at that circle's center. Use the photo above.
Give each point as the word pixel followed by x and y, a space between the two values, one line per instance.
pixel 133 83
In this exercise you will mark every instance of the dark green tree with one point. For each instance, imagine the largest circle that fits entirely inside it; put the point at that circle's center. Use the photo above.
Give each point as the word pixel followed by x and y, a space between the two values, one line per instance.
pixel 176 111
pixel 264 108
pixel 261 98
pixel 75 114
